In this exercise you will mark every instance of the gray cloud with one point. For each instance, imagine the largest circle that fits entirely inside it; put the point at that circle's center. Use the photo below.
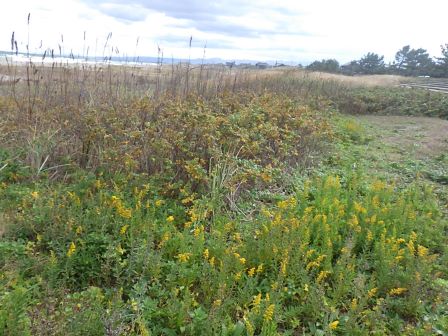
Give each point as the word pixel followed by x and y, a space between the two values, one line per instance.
pixel 206 16
pixel 123 12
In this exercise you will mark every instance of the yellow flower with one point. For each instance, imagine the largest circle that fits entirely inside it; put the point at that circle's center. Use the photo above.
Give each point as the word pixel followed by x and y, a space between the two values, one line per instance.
pixel 158 203
pixel 359 208
pixel 333 325
pixel 123 212
pixel 217 303
pixel 249 327
pixel 283 266
pixel 256 302
pixel 260 268
pixel 315 263
pixel 371 293
pixel 397 291
pixel 206 254
pixel 378 185
pixel 411 247
pixel 242 260
pixel 170 219
pixel 35 194
pixel 322 276
pixel 198 230
pixel 71 249
pixel 353 222
pixel 79 229
pixel 251 272
pixel 123 229
pixel 183 257
pixel 212 261
pixel 422 251
pixel 269 313
pixel 98 184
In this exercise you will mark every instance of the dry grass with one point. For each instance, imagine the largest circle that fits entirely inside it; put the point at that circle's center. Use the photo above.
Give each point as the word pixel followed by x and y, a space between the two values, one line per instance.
pixel 365 80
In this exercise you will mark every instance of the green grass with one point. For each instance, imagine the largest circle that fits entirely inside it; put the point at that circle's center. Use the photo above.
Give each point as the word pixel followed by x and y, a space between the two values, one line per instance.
pixel 393 101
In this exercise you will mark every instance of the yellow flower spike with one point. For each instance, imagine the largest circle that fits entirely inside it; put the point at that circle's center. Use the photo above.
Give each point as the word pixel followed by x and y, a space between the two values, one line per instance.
pixel 359 208
pixel 35 194
pixel 397 291
pixel 123 229
pixel 71 249
pixel 411 247
pixel 256 302
pixel 206 254
pixel 79 230
pixel 249 327
pixel 212 261
pixel 283 266
pixel 183 257
pixel 322 276
pixel 198 230
pixel 123 212
pixel 251 272
pixel 333 325
pixel 269 313
pixel 371 293
pixel 260 268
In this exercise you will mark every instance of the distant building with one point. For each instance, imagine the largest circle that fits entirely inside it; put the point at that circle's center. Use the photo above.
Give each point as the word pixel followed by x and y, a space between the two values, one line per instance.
pixel 262 65
pixel 245 65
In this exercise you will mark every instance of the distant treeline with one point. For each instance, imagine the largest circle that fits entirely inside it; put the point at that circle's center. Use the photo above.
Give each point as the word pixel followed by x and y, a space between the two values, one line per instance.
pixel 408 62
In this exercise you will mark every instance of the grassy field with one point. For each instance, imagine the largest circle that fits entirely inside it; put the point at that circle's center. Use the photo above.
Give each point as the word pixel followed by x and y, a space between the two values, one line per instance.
pixel 208 201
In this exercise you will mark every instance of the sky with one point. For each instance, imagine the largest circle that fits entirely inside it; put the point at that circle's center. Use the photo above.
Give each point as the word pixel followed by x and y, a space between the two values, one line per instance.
pixel 266 30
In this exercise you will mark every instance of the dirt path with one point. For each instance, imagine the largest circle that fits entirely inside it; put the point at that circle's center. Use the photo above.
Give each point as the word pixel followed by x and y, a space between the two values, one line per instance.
pixel 420 137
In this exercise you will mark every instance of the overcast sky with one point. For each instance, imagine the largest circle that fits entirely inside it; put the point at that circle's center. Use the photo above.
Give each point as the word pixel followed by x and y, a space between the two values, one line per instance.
pixel 298 31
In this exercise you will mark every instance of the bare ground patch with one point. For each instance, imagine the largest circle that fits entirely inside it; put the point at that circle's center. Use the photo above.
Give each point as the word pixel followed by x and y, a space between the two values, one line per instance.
pixel 421 136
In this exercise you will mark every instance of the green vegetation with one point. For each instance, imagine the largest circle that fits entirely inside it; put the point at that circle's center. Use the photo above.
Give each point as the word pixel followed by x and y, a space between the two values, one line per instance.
pixel 393 101
pixel 408 62
pixel 213 204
